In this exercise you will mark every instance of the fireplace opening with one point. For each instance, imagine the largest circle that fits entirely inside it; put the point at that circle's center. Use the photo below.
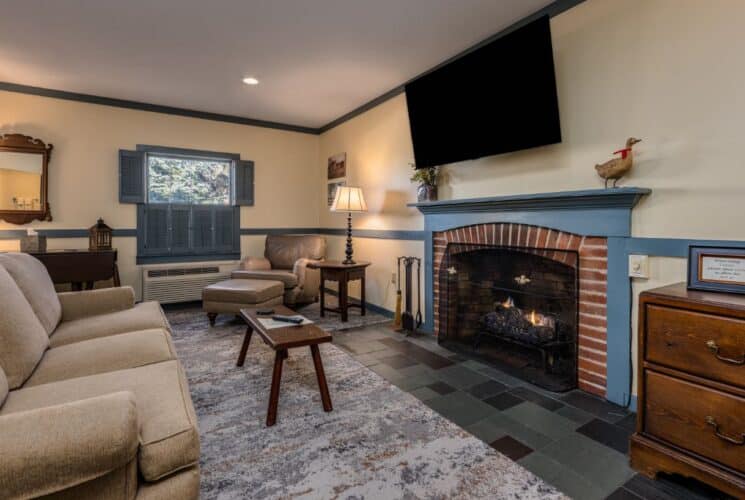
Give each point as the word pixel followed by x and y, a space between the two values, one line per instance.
pixel 514 308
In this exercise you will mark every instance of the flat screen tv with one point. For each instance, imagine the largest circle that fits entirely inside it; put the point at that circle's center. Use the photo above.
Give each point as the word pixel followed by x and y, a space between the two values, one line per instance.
pixel 498 98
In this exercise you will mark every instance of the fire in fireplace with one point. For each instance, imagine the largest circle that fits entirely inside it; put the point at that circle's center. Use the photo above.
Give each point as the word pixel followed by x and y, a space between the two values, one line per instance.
pixel 515 308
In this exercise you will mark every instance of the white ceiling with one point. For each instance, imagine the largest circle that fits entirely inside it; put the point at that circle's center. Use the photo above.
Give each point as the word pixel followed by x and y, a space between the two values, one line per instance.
pixel 316 59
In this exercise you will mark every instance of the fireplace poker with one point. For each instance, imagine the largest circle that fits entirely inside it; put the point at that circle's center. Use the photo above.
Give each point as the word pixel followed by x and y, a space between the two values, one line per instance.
pixel 418 293
pixel 407 318
pixel 397 316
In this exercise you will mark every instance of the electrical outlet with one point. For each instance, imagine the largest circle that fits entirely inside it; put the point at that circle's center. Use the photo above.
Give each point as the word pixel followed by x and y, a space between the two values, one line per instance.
pixel 639 266
pixel 393 278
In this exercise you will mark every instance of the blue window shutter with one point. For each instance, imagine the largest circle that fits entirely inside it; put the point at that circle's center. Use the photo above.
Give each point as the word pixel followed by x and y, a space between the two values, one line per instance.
pixel 202 228
pixel 236 231
pixel 132 185
pixel 244 183
pixel 225 233
pixel 180 221
pixel 155 231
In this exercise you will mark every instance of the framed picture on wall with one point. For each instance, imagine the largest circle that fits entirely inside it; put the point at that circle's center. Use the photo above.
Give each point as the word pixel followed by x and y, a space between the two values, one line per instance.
pixel 331 190
pixel 337 166
pixel 716 269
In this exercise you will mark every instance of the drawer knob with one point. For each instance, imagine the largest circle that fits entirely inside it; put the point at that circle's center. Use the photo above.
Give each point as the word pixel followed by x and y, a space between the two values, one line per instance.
pixel 712 422
pixel 714 348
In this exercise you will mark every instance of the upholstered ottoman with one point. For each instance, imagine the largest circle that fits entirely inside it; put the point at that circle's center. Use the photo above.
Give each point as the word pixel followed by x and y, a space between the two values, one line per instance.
pixel 230 296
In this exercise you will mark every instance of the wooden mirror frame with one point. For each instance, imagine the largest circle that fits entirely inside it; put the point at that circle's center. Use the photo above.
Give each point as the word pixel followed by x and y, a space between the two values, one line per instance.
pixel 19 143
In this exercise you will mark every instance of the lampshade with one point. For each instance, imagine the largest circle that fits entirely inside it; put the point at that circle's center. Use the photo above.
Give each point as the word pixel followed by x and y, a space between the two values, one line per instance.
pixel 349 199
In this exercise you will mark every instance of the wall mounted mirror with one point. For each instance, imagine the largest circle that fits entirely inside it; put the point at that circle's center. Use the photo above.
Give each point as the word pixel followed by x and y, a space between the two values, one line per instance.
pixel 24 164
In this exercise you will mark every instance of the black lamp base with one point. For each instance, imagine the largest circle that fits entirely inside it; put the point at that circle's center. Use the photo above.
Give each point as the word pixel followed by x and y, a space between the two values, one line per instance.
pixel 349 251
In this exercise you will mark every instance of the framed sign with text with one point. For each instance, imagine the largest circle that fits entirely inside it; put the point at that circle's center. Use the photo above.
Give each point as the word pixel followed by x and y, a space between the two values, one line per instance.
pixel 716 269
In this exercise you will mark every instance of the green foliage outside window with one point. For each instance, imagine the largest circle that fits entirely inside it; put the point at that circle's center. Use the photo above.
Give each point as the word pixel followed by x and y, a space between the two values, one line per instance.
pixel 191 181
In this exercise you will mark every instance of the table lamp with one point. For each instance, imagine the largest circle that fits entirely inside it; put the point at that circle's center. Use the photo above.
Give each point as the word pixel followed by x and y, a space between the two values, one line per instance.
pixel 349 199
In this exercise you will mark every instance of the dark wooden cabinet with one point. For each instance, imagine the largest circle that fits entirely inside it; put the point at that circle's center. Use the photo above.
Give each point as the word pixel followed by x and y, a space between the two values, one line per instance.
pixel 691 401
pixel 80 267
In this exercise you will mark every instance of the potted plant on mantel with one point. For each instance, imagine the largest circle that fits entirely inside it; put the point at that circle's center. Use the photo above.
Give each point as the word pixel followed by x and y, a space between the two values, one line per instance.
pixel 427 179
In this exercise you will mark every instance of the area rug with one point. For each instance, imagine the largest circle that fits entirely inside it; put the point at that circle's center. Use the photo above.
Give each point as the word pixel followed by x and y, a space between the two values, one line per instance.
pixel 331 322
pixel 377 443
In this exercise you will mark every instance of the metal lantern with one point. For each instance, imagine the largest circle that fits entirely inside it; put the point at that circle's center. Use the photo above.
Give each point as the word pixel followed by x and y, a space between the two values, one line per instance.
pixel 99 236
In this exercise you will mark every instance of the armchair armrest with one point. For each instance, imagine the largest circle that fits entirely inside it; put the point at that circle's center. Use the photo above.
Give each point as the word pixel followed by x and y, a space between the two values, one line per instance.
pixel 46 450
pixel 256 264
pixel 306 277
pixel 76 305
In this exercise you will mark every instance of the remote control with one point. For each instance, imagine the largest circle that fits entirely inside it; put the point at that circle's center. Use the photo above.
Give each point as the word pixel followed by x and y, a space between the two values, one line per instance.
pixel 264 312
pixel 288 319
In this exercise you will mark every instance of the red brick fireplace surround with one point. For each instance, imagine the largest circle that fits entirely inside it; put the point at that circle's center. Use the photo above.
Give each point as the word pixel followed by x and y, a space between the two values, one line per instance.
pixel 593 282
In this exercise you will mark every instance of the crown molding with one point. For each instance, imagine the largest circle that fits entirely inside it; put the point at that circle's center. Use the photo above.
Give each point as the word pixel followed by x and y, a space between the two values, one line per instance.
pixel 153 108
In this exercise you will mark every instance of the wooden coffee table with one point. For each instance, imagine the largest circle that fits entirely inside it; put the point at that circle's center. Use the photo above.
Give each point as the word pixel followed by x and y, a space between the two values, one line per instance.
pixel 282 339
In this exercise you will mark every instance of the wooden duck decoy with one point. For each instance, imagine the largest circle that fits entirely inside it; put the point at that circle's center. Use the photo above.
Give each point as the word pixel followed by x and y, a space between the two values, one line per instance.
pixel 618 167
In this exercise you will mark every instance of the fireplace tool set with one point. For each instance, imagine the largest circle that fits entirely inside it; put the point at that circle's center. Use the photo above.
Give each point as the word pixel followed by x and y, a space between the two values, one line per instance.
pixel 406 321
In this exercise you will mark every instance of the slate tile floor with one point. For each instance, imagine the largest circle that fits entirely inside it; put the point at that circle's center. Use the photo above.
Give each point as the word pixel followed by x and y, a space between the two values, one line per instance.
pixel 574 441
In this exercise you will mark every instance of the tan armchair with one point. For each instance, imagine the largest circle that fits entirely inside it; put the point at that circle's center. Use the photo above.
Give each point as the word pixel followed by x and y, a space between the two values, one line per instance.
pixel 286 259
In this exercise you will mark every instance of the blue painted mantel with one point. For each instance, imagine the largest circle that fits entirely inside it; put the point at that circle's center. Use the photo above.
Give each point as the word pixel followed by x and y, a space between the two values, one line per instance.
pixel 592 212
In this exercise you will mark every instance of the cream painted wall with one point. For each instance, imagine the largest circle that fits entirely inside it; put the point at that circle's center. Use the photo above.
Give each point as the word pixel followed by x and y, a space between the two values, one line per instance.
pixel 379 149
pixel 667 71
pixel 381 288
pixel 83 172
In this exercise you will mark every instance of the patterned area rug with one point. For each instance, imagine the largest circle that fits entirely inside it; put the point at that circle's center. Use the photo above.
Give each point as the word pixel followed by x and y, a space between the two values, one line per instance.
pixel 332 321
pixel 377 443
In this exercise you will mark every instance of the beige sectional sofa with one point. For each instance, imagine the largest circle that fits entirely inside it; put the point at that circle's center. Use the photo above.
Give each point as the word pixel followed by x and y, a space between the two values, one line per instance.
pixel 93 401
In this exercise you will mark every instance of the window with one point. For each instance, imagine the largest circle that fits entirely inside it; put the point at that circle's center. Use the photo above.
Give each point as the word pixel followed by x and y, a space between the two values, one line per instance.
pixel 194 181
pixel 188 202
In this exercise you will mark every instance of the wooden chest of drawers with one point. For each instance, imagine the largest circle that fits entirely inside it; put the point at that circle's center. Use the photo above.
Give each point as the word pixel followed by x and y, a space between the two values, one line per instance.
pixel 691 393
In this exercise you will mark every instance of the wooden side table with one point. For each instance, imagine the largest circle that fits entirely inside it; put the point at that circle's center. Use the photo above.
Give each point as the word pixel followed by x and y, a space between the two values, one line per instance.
pixel 332 270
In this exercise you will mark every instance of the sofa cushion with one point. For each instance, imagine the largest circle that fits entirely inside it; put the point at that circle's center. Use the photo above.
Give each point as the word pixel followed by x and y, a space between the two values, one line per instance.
pixel 45 451
pixel 23 339
pixel 83 304
pixel 143 316
pixel 101 355
pixel 3 387
pixel 243 291
pixel 169 437
pixel 288 278
pixel 284 249
pixel 34 281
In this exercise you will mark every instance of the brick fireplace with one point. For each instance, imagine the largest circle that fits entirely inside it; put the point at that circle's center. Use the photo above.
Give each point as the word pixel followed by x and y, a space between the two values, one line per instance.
pixel 594 225
pixel 592 255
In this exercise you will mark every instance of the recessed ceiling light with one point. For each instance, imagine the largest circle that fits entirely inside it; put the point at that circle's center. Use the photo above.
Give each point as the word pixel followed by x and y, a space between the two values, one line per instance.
pixel 250 80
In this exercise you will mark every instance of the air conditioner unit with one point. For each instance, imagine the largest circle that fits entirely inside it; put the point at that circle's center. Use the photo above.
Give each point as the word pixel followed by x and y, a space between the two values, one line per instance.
pixel 171 283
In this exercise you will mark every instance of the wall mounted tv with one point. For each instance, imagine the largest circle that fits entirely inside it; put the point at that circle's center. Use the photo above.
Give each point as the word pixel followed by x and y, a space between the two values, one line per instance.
pixel 499 98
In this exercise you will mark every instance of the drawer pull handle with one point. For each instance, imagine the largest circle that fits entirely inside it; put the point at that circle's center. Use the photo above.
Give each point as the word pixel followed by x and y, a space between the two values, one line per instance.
pixel 738 442
pixel 714 348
